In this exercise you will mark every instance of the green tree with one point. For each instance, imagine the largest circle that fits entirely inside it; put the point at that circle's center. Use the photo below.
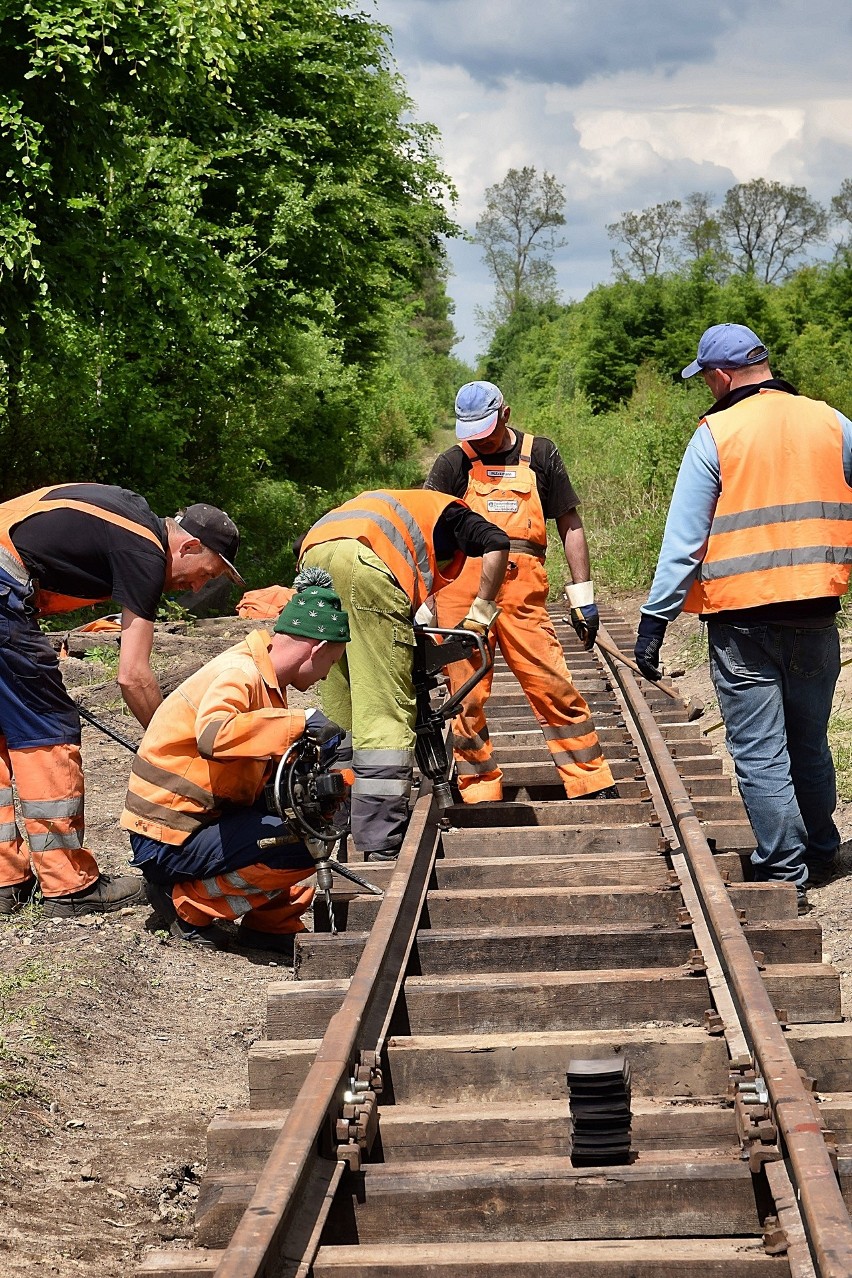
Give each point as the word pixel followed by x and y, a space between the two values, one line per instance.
pixel 769 226
pixel 211 215
pixel 648 240
pixel 517 233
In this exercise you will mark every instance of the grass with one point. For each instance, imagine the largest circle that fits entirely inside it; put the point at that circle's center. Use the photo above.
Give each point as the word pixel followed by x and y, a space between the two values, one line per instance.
pixel 23 999
pixel 840 740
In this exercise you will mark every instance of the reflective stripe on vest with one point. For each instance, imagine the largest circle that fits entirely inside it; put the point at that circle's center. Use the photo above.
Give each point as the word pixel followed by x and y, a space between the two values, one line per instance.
pixel 781 529
pixel 508 496
pixel 399 527
pixel 14 512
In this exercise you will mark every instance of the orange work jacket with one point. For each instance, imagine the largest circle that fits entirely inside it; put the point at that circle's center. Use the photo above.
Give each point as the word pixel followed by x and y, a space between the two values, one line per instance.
pixel 508 496
pixel 783 522
pixel 210 744
pixel 14 512
pixel 399 526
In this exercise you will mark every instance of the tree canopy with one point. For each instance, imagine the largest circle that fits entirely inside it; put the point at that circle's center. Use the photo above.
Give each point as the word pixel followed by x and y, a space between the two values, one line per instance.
pixel 216 219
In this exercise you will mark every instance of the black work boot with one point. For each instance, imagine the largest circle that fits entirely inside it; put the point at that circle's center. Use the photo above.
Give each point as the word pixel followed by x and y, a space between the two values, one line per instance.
pixel 281 943
pixel 16 895
pixel 104 896
pixel 389 854
pixel 205 938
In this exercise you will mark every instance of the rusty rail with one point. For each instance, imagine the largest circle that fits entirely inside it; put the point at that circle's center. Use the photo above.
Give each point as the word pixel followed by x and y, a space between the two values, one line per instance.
pixel 824 1213
pixel 279 1227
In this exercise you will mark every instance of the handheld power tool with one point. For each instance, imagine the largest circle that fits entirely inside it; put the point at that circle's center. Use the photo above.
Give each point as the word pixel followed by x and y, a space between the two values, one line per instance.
pixel 308 795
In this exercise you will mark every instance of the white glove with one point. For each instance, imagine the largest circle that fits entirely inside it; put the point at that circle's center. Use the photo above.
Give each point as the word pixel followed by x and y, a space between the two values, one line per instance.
pixel 580 595
pixel 480 615
pixel 425 614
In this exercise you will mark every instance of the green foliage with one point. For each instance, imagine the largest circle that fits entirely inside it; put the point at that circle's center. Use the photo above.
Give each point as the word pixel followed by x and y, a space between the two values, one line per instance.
pixel 602 378
pixel 218 223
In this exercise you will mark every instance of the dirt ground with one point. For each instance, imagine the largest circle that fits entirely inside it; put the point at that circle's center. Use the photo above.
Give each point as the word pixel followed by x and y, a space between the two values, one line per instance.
pixel 118 1044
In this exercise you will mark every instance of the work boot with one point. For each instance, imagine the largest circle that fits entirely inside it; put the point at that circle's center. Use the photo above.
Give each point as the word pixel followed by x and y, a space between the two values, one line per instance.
pixel 205 938
pixel 802 902
pixel 281 943
pixel 104 896
pixel 389 854
pixel 818 877
pixel 16 895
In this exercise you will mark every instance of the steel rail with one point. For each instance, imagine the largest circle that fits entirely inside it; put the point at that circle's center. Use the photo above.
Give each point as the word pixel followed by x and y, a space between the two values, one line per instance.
pixel 826 1219
pixel 278 1229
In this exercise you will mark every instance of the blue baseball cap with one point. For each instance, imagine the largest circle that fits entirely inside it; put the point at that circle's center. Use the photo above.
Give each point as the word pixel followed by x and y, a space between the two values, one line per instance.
pixel 727 346
pixel 477 407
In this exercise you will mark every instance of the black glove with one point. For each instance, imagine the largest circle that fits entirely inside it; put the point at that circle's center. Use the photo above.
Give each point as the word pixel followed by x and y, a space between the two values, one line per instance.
pixel 649 641
pixel 323 730
pixel 587 623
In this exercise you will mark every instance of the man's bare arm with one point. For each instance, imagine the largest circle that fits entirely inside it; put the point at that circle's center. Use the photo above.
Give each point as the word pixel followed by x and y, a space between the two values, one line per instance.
pixel 136 679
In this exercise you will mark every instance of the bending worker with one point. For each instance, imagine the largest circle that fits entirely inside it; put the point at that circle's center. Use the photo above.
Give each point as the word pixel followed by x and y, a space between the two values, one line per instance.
pixel 388 552
pixel 194 805
pixel 63 548
pixel 757 541
pixel 520 482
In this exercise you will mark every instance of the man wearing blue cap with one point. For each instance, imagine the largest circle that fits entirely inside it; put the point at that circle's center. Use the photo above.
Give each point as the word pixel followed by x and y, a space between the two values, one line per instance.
pixel 757 541
pixel 519 482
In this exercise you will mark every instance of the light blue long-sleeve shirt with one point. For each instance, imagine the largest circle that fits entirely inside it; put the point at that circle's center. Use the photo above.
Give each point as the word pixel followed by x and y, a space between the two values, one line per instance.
pixel 690 517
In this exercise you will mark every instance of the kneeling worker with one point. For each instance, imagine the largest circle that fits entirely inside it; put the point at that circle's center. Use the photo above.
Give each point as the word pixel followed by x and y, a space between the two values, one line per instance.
pixel 194 805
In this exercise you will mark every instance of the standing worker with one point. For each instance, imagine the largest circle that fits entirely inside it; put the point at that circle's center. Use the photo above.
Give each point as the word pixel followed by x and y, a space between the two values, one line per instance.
pixel 194 805
pixel 387 553
pixel 520 482
pixel 757 541
pixel 63 548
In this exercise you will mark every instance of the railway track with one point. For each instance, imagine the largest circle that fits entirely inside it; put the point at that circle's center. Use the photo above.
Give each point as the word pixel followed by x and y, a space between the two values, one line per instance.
pixel 409 1110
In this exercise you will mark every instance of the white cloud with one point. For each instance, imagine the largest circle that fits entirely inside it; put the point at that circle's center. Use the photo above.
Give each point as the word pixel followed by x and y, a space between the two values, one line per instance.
pixel 626 104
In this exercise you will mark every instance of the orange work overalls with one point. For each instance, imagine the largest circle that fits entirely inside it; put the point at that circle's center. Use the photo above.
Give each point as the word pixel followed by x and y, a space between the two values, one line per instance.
pixel 508 496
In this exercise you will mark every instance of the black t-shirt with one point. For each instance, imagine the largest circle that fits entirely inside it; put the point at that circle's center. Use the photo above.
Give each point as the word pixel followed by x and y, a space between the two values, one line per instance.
pixel 451 470
pixel 461 529
pixel 74 553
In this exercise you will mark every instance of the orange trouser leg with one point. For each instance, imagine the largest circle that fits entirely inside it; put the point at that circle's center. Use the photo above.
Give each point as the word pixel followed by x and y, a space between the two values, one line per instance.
pixel 14 857
pixel 533 653
pixel 479 777
pixel 268 900
pixel 49 781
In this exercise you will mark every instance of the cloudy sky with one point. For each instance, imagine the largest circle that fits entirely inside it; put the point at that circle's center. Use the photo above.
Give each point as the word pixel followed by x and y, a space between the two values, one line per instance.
pixel 627 103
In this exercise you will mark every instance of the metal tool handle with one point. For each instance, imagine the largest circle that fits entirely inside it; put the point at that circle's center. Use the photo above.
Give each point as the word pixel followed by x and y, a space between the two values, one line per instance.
pixel 449 707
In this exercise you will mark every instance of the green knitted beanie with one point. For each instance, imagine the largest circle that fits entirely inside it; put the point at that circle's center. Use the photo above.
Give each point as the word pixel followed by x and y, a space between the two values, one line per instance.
pixel 314 612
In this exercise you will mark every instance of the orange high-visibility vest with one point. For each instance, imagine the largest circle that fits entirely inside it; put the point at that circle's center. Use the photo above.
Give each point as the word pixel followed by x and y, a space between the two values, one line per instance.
pixel 211 744
pixel 783 522
pixel 399 526
pixel 14 512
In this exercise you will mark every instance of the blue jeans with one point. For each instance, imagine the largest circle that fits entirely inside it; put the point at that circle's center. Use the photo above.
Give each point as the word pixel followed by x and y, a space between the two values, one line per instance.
pixel 775 686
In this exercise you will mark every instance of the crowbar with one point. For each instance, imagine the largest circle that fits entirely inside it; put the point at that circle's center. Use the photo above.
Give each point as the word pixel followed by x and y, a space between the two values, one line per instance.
pixel 695 706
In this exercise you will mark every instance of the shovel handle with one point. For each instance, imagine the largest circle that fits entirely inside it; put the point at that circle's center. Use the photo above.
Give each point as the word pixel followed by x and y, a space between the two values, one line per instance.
pixel 631 665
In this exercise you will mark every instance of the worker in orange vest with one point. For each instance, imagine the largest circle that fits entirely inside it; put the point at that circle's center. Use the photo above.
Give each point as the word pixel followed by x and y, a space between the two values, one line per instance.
pixel 195 806
pixel 519 481
pixel 63 548
pixel 757 542
pixel 388 553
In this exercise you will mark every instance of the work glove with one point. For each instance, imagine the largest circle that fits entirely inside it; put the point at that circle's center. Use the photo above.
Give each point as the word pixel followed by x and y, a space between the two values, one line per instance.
pixel 580 598
pixel 649 641
pixel 425 614
pixel 480 615
pixel 325 732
